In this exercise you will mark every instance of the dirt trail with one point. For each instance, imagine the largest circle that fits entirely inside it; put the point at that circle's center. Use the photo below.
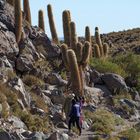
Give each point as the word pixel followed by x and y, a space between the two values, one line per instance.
pixel 86 134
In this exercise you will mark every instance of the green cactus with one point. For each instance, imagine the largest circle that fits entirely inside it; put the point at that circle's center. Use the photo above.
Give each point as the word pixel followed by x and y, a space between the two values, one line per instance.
pixel 87 34
pixel 27 12
pixel 105 48
pixel 11 2
pixel 41 20
pixel 64 49
pixel 79 52
pixel 18 20
pixel 96 51
pixel 98 41
pixel 75 75
pixel 52 25
pixel 86 53
pixel 66 26
pixel 74 39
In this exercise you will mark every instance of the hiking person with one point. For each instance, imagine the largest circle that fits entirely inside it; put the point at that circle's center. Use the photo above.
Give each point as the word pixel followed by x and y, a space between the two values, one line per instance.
pixel 75 115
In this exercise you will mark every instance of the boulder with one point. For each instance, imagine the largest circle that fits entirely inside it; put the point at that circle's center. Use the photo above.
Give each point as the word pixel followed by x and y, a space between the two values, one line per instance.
pixel 24 63
pixel 26 47
pixel 57 96
pixel 114 82
pixel 47 100
pixel 55 79
pixel 16 122
pixel 62 125
pixel 105 90
pixel 5 135
pixel 93 95
pixel 43 44
pixel 59 136
pixel 18 85
pixel 4 63
pixel 8 43
pixel 7 15
pixel 36 110
pixel 37 136
pixel 95 77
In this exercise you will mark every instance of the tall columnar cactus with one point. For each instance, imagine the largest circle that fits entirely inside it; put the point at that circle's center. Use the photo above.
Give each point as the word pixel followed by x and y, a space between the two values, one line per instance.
pixel 96 51
pixel 74 39
pixel 79 52
pixel 66 26
pixel 98 41
pixel 64 49
pixel 86 53
pixel 87 34
pixel 18 20
pixel 27 12
pixel 41 20
pixel 75 75
pixel 88 38
pixel 82 56
pixel 105 48
pixel 52 25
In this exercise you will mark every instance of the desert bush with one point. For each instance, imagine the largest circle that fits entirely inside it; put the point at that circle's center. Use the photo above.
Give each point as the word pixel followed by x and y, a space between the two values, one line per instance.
pixel 34 122
pixel 63 75
pixel 10 74
pixel 7 94
pixel 129 62
pixel 40 102
pixel 130 134
pixel 43 65
pixel 105 65
pixel 103 121
pixel 31 80
pixel 121 95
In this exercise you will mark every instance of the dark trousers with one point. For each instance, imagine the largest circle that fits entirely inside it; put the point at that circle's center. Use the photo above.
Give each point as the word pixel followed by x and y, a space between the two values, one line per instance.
pixel 74 120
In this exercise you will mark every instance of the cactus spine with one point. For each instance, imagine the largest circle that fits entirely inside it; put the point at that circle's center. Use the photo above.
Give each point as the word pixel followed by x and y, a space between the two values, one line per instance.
pixel 98 41
pixel 73 37
pixel 27 11
pixel 52 25
pixel 18 20
pixel 41 20
pixel 66 26
pixel 105 48
pixel 96 51
pixel 75 75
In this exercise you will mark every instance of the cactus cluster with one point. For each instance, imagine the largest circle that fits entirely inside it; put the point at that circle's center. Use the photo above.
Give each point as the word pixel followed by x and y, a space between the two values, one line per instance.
pixel 26 9
pixel 52 25
pixel 18 20
pixel 75 61
pixel 100 49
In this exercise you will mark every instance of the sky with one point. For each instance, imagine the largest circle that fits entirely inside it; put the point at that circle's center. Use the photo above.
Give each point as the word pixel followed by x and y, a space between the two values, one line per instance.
pixel 108 15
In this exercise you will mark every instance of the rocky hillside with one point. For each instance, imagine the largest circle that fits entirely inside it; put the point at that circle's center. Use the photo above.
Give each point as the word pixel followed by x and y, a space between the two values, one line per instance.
pixel 38 76
pixel 128 40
